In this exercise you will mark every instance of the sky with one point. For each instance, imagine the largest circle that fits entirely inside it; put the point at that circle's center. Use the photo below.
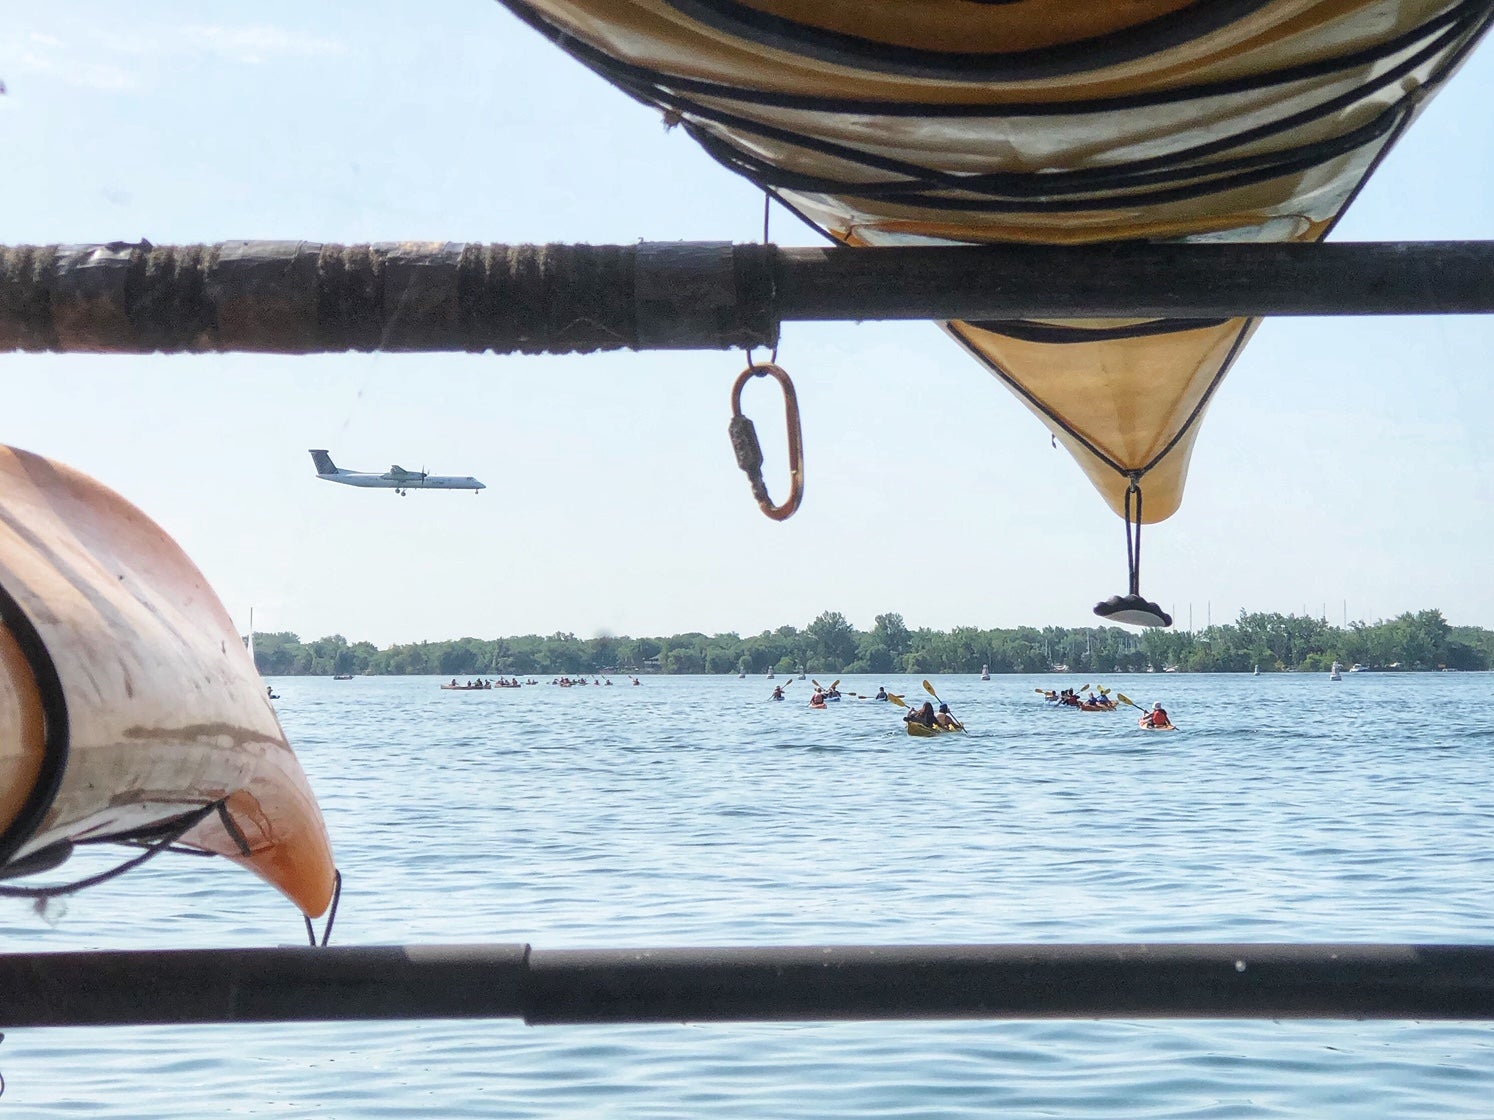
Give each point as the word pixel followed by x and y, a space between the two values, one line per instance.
pixel 1345 468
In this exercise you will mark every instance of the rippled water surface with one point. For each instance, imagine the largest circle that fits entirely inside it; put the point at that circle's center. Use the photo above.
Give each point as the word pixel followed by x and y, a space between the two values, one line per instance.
pixel 691 811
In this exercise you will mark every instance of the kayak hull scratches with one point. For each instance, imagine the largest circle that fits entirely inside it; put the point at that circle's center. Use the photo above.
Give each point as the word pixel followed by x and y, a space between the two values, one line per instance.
pixel 128 702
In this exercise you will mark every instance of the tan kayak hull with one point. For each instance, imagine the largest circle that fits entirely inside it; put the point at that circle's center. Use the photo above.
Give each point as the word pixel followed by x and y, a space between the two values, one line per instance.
pixel 127 698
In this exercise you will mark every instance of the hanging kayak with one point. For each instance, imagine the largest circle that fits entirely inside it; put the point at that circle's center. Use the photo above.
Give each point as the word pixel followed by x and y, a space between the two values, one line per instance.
pixel 886 122
pixel 132 709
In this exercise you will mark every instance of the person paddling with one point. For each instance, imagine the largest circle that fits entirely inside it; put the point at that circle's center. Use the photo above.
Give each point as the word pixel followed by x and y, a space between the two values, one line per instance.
pixel 923 715
pixel 944 719
pixel 777 692
pixel 1158 716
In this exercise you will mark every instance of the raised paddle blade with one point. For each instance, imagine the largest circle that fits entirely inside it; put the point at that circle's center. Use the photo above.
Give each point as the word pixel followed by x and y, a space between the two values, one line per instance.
pixel 896 699
pixel 834 684
pixel 1124 699
pixel 930 690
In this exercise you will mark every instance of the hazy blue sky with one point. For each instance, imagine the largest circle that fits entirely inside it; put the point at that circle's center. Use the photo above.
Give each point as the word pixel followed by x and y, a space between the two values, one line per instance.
pixel 1345 465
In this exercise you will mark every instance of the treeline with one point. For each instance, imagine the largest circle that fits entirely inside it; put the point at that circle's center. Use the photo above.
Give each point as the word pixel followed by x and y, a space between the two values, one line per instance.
pixel 831 645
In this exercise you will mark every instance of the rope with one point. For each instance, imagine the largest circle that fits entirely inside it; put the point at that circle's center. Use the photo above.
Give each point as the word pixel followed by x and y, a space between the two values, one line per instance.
pixel 1133 550
pixel 191 821
pixel 331 911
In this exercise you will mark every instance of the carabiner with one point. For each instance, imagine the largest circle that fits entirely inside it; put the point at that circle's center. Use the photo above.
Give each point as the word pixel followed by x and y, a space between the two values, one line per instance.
pixel 750 453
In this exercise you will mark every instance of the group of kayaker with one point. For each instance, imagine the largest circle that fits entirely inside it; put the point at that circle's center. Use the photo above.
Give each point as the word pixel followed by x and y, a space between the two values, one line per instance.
pixel 1155 718
pixel 1092 703
pixel 822 696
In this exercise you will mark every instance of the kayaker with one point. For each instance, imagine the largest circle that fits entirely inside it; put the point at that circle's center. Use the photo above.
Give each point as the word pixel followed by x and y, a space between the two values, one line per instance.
pixel 1158 715
pixel 777 692
pixel 881 693
pixel 944 719
pixel 818 697
pixel 923 715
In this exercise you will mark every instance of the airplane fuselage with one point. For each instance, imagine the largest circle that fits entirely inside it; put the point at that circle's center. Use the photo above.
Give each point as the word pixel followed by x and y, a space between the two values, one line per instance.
pixel 414 482
pixel 396 478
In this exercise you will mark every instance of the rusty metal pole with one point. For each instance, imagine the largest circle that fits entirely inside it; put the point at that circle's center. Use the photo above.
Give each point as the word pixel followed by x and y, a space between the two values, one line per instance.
pixel 291 297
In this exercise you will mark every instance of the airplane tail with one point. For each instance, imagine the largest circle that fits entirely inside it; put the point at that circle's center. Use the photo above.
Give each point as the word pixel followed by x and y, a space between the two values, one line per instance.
pixel 323 461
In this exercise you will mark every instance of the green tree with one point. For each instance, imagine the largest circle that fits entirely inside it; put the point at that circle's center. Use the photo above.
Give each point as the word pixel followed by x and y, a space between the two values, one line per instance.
pixel 834 640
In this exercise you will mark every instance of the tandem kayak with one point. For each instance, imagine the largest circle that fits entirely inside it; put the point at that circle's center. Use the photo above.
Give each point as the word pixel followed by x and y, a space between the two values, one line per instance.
pixel 924 731
pixel 1147 725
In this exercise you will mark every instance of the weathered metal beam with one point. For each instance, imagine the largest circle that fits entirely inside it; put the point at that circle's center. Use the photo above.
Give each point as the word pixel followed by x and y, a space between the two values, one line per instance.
pixel 1118 981
pixel 295 297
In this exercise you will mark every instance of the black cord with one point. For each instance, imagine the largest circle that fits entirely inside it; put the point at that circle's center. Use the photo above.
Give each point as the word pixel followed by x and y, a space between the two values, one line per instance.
pixel 179 829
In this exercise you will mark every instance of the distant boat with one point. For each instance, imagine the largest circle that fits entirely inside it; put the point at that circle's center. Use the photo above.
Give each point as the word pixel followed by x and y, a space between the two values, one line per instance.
pixel 741 676
pixel 342 676
pixel 1335 675
pixel 1358 668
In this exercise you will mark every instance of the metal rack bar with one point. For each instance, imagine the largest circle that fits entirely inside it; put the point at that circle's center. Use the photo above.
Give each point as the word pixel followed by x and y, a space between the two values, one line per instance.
pixel 296 297
pixel 778 983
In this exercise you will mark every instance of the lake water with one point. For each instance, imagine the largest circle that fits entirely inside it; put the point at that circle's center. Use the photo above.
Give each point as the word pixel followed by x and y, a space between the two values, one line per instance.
pixel 691 811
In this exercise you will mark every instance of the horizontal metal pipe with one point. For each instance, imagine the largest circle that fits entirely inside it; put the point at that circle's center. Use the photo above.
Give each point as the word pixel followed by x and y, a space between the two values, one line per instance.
pixel 847 982
pixel 295 297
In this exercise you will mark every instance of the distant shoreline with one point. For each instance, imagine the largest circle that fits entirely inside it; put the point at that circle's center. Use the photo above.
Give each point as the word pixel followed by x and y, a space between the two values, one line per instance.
pixel 1423 641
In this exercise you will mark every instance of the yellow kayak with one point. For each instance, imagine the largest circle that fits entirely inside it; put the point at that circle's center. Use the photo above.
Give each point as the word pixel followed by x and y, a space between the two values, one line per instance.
pixel 132 710
pixel 923 730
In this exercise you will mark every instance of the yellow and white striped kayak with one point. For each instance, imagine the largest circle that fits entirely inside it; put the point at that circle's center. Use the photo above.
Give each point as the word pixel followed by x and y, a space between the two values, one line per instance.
pixel 902 122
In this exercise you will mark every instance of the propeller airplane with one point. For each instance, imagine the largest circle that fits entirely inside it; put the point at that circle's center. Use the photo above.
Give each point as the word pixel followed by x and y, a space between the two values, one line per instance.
pixel 396 478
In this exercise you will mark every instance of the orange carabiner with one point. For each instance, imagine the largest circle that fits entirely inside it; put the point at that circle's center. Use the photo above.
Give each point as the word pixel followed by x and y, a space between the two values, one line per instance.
pixel 750 453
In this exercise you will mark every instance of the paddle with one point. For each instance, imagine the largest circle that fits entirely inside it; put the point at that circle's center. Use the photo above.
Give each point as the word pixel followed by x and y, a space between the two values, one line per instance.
pixel 781 687
pixel 898 700
pixel 930 690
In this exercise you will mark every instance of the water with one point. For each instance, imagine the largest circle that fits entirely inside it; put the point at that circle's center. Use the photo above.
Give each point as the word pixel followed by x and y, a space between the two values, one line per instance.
pixel 691 811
